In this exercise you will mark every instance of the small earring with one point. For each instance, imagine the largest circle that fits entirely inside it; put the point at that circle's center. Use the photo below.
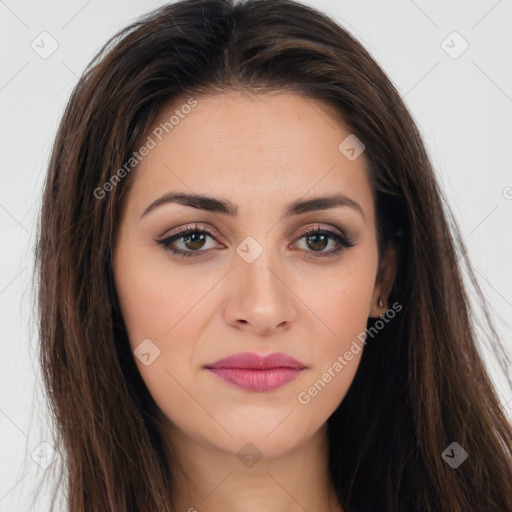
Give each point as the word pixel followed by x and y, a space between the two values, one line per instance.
pixel 380 303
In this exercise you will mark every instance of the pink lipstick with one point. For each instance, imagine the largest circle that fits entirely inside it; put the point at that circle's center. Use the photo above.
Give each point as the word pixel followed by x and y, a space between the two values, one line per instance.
pixel 253 372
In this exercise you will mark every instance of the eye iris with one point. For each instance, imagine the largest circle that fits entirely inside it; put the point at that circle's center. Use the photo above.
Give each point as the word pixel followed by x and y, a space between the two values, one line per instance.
pixel 323 241
pixel 194 238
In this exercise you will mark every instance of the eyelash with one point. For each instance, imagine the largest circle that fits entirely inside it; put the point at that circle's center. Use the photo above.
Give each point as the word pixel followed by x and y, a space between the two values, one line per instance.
pixel 342 240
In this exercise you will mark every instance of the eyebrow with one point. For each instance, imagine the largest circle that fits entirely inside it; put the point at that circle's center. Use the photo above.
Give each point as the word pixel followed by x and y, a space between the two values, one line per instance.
pixel 223 206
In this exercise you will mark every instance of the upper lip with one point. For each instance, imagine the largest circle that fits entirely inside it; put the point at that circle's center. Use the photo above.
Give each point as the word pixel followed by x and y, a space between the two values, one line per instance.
pixel 253 361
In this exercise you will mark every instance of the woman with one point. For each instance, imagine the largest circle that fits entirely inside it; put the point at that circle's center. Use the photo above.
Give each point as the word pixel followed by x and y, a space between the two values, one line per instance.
pixel 319 354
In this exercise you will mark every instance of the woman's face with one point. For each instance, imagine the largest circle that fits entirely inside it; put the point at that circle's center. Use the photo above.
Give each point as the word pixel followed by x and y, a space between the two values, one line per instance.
pixel 256 282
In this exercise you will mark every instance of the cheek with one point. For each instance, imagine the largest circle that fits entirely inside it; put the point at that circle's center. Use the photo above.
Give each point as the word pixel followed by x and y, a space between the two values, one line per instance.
pixel 155 302
pixel 344 303
pixel 164 311
pixel 341 300
pixel 162 314
pixel 342 309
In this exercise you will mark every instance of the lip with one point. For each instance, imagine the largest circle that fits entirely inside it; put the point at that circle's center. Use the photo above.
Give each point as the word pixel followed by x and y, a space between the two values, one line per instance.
pixel 251 371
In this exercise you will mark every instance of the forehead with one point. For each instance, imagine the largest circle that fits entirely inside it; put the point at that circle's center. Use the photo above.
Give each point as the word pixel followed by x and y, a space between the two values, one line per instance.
pixel 270 149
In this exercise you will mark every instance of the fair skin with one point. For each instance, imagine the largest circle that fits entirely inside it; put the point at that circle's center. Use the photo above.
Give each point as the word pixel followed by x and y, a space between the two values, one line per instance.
pixel 260 153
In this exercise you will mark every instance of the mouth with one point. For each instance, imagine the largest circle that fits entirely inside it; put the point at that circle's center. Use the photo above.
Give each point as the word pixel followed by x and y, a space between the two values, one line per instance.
pixel 253 372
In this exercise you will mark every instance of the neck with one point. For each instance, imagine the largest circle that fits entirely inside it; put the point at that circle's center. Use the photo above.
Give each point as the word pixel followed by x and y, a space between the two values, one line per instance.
pixel 208 479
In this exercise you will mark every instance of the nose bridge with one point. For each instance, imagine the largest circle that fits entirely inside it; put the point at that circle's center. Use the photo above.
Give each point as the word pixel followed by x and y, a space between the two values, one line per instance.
pixel 258 265
pixel 257 293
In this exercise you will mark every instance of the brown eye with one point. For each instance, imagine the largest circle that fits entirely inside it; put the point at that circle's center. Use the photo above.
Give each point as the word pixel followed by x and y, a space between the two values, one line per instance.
pixel 192 240
pixel 317 242
pixel 318 239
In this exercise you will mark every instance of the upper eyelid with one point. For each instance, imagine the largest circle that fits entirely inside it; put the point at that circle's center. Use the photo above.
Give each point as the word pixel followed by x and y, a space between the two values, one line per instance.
pixel 182 231
pixel 334 230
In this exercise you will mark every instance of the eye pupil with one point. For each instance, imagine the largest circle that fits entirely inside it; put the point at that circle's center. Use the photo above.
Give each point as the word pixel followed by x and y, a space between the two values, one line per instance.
pixel 322 238
pixel 194 238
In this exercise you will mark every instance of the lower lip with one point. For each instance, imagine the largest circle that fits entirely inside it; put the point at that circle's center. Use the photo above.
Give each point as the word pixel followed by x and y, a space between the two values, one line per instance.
pixel 257 380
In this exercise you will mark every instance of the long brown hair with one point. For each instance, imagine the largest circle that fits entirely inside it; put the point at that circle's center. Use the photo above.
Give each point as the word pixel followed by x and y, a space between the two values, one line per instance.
pixel 421 384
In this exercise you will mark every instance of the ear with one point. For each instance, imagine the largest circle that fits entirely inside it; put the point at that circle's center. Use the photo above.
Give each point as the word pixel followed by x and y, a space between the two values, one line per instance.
pixel 384 281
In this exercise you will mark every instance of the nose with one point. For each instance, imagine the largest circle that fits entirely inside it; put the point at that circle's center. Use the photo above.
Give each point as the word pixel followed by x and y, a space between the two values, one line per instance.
pixel 259 299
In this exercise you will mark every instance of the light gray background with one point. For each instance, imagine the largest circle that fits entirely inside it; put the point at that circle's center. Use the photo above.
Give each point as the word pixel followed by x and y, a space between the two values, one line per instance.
pixel 463 106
